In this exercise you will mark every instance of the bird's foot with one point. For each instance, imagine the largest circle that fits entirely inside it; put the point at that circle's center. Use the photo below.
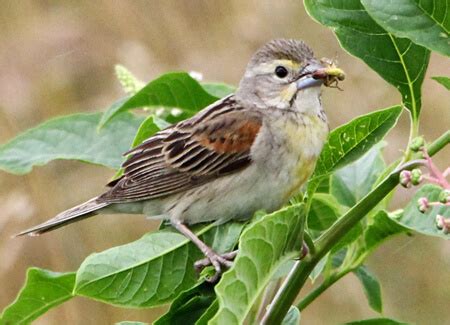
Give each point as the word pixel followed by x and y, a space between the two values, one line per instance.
pixel 219 262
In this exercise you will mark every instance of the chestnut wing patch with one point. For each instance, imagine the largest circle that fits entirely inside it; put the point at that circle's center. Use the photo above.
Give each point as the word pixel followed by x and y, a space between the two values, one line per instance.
pixel 186 155
pixel 232 136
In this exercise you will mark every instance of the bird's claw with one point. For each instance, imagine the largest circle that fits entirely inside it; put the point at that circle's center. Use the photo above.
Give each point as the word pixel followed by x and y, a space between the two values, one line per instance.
pixel 219 262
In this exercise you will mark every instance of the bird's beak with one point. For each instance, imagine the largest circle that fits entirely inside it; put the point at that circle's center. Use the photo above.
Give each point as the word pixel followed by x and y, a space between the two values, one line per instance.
pixel 308 81
pixel 316 74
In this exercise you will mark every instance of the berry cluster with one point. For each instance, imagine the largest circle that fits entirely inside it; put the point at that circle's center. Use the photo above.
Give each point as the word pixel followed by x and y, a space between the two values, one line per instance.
pixel 435 176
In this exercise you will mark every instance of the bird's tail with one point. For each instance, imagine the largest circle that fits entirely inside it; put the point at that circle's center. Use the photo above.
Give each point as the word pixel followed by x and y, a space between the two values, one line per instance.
pixel 77 213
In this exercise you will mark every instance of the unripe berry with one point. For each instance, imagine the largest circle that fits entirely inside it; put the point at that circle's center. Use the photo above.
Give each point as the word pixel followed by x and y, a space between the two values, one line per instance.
pixel 416 144
pixel 416 176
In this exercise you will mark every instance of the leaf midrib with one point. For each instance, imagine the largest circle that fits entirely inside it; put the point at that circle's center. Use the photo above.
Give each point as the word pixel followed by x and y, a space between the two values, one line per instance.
pixel 410 84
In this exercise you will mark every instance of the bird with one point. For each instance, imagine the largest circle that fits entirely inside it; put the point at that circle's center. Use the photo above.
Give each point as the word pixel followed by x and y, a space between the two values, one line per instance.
pixel 249 151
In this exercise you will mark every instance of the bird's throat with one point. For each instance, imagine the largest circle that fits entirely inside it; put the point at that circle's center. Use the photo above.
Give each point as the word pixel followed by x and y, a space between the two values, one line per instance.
pixel 307 101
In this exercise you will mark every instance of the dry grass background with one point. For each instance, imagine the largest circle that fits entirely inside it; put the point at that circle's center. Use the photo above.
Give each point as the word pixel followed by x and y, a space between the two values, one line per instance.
pixel 57 58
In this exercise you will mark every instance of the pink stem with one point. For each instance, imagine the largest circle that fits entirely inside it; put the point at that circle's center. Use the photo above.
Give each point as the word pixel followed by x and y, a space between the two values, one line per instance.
pixel 431 179
pixel 435 171
pixel 439 203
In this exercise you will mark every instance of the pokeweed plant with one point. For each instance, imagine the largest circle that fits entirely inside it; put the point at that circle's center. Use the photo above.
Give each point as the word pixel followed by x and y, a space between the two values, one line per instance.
pixel 342 216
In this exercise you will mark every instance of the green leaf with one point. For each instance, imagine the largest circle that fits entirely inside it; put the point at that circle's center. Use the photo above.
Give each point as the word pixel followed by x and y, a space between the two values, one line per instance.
pixel 176 89
pixel 424 223
pixel 426 23
pixel 372 288
pixel 381 228
pixel 351 183
pixel 224 238
pixel 350 141
pixel 334 262
pixel 284 269
pixel 324 211
pixel 377 321
pixel 397 60
pixel 70 137
pixel 43 290
pixel 150 271
pixel 189 306
pixel 218 89
pixel 208 314
pixel 146 130
pixel 292 317
pixel 324 186
pixel 444 81
pixel 263 247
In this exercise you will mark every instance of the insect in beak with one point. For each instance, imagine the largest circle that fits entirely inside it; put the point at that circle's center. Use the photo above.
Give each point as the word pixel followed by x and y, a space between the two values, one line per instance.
pixel 316 75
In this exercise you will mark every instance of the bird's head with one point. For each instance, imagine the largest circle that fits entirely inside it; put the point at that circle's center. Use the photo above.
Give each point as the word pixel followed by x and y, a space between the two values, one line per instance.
pixel 284 74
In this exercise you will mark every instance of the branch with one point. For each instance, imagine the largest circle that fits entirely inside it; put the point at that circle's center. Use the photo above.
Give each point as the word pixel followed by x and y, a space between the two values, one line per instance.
pixel 321 288
pixel 439 143
pixel 300 272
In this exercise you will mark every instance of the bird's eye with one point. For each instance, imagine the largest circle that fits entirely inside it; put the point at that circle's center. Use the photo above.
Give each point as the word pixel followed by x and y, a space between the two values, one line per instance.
pixel 281 71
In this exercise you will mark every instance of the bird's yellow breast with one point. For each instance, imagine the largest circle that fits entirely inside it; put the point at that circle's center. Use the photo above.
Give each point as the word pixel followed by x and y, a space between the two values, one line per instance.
pixel 305 139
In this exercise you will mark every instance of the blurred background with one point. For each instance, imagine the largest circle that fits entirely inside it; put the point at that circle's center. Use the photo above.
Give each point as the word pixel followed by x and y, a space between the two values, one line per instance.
pixel 57 58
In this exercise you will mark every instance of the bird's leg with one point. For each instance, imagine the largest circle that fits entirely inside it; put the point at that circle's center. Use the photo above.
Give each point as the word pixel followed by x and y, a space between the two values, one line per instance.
pixel 214 259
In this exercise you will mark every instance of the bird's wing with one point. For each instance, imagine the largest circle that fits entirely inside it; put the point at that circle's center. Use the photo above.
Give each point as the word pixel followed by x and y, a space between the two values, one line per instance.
pixel 215 142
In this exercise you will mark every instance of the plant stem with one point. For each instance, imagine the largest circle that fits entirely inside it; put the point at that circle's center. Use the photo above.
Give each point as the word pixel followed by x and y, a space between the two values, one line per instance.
pixel 309 242
pixel 439 143
pixel 269 294
pixel 321 288
pixel 301 270
pixel 413 133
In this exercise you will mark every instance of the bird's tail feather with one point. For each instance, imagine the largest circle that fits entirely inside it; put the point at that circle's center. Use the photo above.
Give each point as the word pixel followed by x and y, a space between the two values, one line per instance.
pixel 77 213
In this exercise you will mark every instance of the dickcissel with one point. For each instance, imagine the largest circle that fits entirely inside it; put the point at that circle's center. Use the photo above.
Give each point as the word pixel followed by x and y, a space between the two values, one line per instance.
pixel 248 151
